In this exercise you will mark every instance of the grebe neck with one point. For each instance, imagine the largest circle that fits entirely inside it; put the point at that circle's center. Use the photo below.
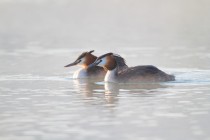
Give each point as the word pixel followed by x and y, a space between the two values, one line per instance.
pixel 111 75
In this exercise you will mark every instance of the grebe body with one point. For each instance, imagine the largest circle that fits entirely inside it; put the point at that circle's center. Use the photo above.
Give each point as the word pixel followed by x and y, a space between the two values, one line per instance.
pixel 118 71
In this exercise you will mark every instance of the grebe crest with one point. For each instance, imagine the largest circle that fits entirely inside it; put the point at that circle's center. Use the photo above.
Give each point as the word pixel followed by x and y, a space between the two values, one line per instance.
pixel 111 61
pixel 121 63
pixel 85 59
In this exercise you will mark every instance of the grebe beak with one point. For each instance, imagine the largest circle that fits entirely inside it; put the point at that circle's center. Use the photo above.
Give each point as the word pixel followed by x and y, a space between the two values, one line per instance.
pixel 94 64
pixel 73 64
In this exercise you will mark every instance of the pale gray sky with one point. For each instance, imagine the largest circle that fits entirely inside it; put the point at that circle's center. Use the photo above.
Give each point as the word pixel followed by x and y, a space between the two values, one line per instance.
pixel 109 22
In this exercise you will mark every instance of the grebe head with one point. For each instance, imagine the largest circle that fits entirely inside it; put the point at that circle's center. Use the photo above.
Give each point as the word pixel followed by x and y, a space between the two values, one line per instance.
pixel 109 61
pixel 84 60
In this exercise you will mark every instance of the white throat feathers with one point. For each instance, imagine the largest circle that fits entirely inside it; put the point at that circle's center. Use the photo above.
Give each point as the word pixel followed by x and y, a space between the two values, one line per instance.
pixel 111 76
pixel 81 73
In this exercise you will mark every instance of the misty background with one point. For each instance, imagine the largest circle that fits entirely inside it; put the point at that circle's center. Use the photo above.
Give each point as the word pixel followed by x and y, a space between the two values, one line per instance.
pixel 105 23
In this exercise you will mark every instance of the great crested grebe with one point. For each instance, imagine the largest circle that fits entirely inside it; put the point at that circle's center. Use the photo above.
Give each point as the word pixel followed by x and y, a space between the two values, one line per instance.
pixel 84 60
pixel 118 71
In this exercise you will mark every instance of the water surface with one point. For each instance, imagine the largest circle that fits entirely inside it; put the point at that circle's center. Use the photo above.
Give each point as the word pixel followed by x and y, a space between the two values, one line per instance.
pixel 40 100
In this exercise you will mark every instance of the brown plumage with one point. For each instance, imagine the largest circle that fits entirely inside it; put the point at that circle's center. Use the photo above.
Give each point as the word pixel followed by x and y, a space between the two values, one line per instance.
pixel 84 60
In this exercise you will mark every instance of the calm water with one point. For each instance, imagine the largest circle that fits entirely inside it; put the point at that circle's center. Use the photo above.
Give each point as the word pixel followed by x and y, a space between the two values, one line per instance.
pixel 40 101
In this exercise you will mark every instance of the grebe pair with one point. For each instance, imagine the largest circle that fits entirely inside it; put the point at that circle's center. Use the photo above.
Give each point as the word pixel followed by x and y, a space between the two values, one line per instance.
pixel 114 69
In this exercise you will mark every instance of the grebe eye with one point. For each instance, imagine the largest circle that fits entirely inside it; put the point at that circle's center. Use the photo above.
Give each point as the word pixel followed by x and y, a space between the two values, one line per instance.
pixel 99 61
